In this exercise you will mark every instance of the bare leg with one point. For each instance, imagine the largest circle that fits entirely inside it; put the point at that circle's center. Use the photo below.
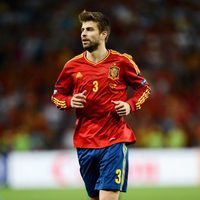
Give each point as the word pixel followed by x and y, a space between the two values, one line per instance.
pixel 109 195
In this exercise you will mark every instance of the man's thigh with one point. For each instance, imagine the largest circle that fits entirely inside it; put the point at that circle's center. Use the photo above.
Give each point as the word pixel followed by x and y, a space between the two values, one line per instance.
pixel 113 169
pixel 104 169
pixel 89 170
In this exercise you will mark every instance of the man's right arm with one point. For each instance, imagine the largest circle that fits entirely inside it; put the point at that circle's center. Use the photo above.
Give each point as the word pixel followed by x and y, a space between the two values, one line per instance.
pixel 63 90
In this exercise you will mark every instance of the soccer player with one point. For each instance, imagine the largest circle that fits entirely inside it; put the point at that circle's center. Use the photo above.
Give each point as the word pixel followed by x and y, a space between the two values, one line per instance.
pixel 94 83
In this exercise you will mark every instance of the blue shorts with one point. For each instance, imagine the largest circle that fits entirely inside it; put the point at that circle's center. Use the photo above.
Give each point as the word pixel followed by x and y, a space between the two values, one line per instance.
pixel 104 168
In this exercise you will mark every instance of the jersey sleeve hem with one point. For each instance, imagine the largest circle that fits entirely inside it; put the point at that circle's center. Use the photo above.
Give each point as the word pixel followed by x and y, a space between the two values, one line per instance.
pixel 61 102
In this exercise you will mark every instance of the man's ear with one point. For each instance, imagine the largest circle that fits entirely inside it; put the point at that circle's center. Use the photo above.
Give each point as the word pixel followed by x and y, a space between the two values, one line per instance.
pixel 104 35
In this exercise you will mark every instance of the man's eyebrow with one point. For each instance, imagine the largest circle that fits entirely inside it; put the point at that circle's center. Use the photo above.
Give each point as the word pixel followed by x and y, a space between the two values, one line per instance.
pixel 88 27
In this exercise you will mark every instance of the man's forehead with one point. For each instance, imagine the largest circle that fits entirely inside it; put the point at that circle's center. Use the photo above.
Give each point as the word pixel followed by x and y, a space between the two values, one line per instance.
pixel 89 24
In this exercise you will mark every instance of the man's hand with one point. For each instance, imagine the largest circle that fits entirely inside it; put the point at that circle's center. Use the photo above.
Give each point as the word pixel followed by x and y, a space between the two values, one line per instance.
pixel 78 99
pixel 122 108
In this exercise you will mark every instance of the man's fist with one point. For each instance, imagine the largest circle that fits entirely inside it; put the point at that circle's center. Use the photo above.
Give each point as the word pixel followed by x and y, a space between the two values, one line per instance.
pixel 122 108
pixel 78 99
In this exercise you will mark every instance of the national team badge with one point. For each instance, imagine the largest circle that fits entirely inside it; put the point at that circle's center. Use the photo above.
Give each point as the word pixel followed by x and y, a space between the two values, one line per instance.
pixel 114 72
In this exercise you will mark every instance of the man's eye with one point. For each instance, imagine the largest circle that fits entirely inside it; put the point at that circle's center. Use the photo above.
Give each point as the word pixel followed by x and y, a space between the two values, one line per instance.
pixel 90 29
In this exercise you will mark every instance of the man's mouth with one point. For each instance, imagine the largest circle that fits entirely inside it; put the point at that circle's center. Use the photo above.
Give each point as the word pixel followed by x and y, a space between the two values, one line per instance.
pixel 85 40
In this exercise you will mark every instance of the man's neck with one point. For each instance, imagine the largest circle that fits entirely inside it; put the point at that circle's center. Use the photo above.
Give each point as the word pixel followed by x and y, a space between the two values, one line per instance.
pixel 97 55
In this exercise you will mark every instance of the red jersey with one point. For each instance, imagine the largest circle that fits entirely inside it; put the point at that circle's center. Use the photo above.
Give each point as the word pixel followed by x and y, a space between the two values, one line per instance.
pixel 98 124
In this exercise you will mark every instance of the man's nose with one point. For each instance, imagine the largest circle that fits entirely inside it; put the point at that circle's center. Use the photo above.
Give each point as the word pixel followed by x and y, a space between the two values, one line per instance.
pixel 83 34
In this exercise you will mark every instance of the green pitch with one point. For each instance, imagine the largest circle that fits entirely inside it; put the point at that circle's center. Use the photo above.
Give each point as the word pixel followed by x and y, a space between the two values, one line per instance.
pixel 191 193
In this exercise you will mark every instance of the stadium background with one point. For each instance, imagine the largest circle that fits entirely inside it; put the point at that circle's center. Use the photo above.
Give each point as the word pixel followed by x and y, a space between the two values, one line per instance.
pixel 38 37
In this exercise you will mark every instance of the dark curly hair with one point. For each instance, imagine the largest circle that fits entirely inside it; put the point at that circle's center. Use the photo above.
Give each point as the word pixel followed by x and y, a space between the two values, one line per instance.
pixel 102 21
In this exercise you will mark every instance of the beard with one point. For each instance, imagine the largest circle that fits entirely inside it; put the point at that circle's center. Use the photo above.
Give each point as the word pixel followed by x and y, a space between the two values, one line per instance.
pixel 92 46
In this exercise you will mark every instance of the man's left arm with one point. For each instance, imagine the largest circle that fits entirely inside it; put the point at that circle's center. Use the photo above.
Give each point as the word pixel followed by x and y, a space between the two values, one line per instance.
pixel 136 80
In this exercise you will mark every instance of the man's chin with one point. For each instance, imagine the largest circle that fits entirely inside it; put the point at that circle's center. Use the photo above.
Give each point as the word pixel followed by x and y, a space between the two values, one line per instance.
pixel 90 48
pixel 85 47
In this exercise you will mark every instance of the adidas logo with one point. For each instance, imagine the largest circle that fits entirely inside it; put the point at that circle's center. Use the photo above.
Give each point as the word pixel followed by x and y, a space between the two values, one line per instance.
pixel 79 75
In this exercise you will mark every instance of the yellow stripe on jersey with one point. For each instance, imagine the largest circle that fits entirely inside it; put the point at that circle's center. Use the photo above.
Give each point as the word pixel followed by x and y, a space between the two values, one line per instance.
pixel 76 57
pixel 59 103
pixel 124 166
pixel 130 58
pixel 133 63
pixel 143 98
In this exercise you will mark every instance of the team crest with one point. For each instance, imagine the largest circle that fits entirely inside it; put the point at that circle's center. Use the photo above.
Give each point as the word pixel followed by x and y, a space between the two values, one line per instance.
pixel 114 72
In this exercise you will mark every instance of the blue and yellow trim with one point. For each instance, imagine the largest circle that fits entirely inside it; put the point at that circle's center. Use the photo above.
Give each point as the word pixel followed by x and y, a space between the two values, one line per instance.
pixel 124 165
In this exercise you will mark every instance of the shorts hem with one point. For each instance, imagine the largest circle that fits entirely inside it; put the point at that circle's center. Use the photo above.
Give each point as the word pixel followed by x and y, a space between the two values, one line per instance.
pixel 110 188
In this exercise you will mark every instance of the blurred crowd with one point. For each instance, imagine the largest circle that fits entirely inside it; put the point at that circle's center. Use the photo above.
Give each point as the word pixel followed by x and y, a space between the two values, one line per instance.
pixel 38 37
